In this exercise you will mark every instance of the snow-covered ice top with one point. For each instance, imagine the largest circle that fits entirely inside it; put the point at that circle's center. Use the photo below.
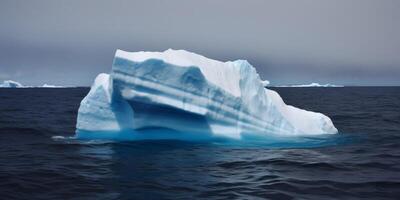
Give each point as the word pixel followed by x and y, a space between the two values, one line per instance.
pixel 224 75
pixel 191 94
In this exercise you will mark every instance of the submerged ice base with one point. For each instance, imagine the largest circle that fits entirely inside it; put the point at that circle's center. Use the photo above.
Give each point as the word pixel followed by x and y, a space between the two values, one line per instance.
pixel 176 94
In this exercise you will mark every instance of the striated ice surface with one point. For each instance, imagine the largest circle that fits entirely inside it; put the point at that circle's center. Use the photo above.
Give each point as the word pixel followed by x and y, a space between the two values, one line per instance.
pixel 177 94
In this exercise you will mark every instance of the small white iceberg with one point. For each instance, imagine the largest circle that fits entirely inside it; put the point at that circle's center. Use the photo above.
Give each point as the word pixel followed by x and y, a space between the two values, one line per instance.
pixel 51 86
pixel 265 83
pixel 15 84
pixel 313 85
pixel 11 84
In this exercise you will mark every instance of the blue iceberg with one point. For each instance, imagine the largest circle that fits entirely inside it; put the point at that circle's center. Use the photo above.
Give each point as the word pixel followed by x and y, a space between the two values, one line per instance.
pixel 177 94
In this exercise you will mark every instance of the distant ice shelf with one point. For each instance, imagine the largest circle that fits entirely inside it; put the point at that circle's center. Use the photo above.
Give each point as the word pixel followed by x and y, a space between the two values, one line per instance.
pixel 312 85
pixel 51 86
pixel 177 94
pixel 15 84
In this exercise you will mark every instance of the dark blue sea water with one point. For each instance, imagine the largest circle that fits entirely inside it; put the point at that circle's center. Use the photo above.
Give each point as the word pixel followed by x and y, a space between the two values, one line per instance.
pixel 362 162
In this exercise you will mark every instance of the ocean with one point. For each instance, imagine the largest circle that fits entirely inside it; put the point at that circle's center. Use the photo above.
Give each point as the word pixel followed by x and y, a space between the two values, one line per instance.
pixel 39 160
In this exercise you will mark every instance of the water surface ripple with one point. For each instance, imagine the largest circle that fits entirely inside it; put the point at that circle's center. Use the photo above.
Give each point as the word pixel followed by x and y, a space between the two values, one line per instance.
pixel 363 162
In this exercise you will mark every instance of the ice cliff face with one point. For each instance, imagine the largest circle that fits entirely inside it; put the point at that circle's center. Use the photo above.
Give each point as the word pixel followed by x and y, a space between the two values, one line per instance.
pixel 192 95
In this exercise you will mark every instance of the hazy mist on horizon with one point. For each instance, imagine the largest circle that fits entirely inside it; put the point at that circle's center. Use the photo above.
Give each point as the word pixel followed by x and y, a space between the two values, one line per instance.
pixel 344 42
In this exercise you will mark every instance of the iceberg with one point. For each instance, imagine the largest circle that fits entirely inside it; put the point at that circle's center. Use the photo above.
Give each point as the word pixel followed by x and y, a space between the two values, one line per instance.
pixel 265 83
pixel 14 84
pixel 11 84
pixel 313 85
pixel 51 86
pixel 177 94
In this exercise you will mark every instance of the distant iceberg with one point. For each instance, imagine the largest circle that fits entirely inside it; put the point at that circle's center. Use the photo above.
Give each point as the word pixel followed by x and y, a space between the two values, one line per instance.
pixel 11 84
pixel 313 85
pixel 265 83
pixel 51 86
pixel 177 94
pixel 15 84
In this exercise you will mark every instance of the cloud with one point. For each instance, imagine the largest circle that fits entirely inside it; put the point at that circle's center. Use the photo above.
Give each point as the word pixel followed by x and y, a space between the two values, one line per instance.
pixel 287 41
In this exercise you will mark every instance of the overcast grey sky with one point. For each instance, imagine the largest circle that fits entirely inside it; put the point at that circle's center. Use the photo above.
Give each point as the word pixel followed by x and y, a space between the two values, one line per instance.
pixel 350 42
